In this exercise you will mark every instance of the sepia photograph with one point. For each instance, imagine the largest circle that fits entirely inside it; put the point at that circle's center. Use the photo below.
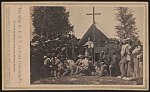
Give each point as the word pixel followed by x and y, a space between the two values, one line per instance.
pixel 86 45
pixel 75 46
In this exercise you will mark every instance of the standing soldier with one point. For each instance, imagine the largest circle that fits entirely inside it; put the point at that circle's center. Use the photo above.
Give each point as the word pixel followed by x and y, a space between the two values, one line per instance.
pixel 123 63
pixel 140 58
pixel 129 59
pixel 104 64
pixel 109 50
pixel 116 59
pixel 136 53
pixel 111 57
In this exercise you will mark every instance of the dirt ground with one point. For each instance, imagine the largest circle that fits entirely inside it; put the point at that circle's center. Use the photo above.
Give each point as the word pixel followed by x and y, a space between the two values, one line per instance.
pixel 92 80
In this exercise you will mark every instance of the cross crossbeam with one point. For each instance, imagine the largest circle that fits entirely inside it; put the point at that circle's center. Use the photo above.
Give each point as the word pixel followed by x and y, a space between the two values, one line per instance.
pixel 94 15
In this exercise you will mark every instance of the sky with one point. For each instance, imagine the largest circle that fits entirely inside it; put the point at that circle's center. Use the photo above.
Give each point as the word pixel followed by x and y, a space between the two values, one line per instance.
pixel 106 20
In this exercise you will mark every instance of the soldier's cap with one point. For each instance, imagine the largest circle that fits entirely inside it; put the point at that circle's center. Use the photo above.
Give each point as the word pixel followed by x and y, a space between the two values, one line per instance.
pixel 45 56
pixel 80 56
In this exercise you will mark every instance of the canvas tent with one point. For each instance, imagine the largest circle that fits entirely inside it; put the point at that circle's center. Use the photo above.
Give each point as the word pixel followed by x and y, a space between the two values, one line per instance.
pixel 100 37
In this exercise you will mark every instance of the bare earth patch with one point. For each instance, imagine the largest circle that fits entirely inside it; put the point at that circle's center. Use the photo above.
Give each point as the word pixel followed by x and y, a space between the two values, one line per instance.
pixel 92 80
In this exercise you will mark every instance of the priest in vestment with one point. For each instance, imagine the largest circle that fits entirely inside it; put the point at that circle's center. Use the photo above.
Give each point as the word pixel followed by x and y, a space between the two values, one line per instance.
pixel 89 47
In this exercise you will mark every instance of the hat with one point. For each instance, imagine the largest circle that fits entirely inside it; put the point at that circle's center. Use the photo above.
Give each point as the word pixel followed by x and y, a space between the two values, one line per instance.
pixel 80 56
pixel 45 57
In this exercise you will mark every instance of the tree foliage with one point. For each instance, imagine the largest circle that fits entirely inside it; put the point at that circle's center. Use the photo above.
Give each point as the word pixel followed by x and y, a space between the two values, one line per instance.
pixel 51 35
pixel 51 27
pixel 126 27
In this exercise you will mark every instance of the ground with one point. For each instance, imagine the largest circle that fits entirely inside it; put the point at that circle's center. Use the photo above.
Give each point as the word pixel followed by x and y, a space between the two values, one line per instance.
pixel 94 80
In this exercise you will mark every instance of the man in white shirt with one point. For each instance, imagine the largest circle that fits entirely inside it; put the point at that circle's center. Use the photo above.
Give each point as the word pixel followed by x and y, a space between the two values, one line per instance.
pixel 70 67
pixel 89 47
pixel 83 67
pixel 123 62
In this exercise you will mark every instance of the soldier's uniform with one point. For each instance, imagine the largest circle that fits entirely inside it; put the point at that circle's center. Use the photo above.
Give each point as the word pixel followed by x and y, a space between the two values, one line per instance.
pixel 109 52
pixel 48 68
pixel 130 69
pixel 104 65
pixel 70 67
pixel 123 63
pixel 140 58
pixel 78 63
pixel 47 62
pixel 116 57
pixel 83 67
pixel 136 52
pixel 60 67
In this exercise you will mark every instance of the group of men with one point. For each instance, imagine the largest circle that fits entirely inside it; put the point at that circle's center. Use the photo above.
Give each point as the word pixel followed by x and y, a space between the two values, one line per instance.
pixel 123 58
pixel 109 59
pixel 131 64
pixel 57 66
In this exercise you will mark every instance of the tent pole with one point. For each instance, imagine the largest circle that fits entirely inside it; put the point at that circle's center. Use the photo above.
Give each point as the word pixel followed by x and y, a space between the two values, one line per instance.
pixel 93 36
pixel 93 32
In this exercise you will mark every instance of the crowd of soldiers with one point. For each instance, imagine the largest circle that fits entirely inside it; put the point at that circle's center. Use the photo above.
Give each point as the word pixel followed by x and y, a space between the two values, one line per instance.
pixel 58 66
pixel 123 59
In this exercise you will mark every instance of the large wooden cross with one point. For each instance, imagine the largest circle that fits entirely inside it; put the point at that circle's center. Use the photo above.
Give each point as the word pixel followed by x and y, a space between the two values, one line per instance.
pixel 94 30
pixel 93 15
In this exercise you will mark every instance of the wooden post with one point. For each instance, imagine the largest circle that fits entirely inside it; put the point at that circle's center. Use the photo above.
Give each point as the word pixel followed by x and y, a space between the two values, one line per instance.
pixel 94 31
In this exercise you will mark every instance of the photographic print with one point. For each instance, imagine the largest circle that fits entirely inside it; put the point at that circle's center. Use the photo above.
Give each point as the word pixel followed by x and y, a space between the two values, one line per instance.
pixel 75 46
pixel 86 45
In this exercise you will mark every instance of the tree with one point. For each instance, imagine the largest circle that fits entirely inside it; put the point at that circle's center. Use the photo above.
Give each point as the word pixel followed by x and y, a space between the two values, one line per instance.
pixel 51 25
pixel 126 27
pixel 51 34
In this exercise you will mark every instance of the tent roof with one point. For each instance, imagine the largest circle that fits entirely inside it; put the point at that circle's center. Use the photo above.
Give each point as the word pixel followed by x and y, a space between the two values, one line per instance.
pixel 99 35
